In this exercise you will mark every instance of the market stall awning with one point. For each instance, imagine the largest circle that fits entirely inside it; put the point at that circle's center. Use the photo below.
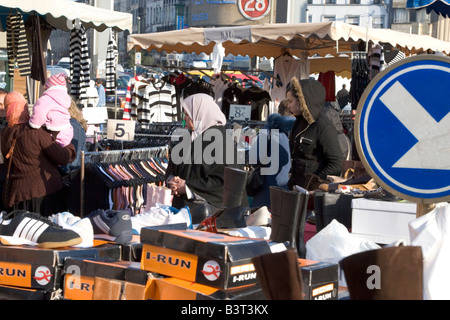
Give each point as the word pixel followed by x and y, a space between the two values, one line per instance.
pixel 441 7
pixel 341 66
pixel 59 12
pixel 273 40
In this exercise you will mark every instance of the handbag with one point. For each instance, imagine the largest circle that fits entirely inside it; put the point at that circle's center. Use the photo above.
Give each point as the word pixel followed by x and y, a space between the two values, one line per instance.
pixel 255 181
pixel 7 185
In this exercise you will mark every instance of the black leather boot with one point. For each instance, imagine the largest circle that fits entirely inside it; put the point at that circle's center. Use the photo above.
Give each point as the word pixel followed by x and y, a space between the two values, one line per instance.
pixel 279 275
pixel 234 184
pixel 391 273
pixel 288 209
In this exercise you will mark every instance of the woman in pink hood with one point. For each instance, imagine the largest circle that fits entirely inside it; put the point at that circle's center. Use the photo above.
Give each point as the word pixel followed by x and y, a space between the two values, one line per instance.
pixel 52 109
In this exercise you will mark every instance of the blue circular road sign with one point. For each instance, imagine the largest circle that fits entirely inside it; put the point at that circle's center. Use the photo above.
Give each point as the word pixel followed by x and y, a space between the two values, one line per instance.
pixel 402 128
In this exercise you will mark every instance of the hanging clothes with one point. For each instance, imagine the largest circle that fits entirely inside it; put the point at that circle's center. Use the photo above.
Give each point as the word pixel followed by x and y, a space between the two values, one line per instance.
pixel 217 57
pixel 80 65
pixel 150 100
pixel 39 32
pixel 132 97
pixel 111 55
pixel 328 80
pixel 159 104
pixel 376 60
pixel 360 78
pixel 284 69
pixel 17 45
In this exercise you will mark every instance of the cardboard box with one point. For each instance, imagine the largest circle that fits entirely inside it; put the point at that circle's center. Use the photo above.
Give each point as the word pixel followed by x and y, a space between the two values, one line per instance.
pixel 132 251
pixel 37 268
pixel 110 289
pixel 382 219
pixel 82 274
pixel 177 289
pixel 320 280
pixel 16 293
pixel 212 259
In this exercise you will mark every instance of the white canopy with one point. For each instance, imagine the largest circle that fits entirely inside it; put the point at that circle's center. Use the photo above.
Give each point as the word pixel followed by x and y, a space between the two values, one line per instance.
pixel 272 40
pixel 59 12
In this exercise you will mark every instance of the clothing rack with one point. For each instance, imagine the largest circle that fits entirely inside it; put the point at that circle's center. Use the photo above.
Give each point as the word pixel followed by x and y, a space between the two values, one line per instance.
pixel 114 156
pixel 126 154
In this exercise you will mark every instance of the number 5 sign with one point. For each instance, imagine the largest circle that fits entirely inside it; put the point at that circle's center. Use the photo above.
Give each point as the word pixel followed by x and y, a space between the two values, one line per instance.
pixel 120 130
pixel 254 9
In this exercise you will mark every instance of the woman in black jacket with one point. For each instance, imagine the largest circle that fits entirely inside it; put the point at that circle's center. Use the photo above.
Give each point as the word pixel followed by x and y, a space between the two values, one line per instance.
pixel 313 140
pixel 197 176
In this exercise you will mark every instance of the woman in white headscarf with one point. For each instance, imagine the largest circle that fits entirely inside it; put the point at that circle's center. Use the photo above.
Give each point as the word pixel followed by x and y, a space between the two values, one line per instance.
pixel 196 181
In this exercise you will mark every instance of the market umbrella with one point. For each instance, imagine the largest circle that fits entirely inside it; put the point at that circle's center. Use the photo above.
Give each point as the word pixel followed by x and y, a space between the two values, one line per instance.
pixel 273 40
pixel 59 12
pixel 441 7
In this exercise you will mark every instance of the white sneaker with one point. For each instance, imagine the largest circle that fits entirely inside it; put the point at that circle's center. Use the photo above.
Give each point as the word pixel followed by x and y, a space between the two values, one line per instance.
pixel 160 215
pixel 81 226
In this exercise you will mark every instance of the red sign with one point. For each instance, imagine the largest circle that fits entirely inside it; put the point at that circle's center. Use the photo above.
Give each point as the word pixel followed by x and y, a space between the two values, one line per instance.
pixel 254 9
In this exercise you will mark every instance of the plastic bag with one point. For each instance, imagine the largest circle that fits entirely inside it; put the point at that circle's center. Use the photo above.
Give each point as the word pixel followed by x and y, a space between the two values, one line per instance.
pixel 431 232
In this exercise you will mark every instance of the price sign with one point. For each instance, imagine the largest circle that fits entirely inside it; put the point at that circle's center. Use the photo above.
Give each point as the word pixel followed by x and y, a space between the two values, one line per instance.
pixel 137 58
pixel 240 112
pixel 95 115
pixel 120 130
pixel 254 9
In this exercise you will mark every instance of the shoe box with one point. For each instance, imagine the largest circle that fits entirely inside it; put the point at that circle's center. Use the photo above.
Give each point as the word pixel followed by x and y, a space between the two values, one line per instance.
pixel 132 251
pixel 381 221
pixel 104 279
pixel 320 280
pixel 170 288
pixel 211 259
pixel 37 268
pixel 16 293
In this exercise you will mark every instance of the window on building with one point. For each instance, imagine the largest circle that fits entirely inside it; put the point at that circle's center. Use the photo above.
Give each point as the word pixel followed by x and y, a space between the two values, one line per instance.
pixel 309 18
pixel 330 1
pixel 377 22
pixel 401 15
pixel 355 1
pixel 328 18
pixel 376 1
pixel 352 20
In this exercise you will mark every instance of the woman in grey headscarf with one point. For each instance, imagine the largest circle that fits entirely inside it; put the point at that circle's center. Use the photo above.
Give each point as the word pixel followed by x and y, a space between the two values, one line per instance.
pixel 196 181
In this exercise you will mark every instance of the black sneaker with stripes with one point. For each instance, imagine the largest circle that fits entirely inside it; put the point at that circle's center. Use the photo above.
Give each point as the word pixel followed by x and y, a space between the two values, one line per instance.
pixel 29 228
pixel 112 225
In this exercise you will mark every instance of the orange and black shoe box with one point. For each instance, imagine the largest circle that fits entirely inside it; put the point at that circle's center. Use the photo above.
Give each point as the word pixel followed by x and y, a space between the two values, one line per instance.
pixel 177 289
pixel 320 280
pixel 212 259
pixel 81 275
pixel 37 268
pixel 16 293
pixel 132 251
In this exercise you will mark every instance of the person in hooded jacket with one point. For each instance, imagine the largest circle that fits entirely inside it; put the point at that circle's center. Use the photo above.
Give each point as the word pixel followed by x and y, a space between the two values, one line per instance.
pixel 52 109
pixel 313 142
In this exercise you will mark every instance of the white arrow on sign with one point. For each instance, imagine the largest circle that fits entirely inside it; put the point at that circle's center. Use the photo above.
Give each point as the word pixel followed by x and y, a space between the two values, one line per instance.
pixel 432 151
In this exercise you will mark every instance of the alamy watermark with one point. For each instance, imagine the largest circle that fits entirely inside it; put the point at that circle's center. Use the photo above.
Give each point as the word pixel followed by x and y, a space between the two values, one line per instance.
pixel 221 149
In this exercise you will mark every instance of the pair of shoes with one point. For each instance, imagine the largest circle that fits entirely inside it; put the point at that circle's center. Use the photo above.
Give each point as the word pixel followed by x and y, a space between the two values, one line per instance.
pixel 81 226
pixel 161 215
pixel 29 228
pixel 112 225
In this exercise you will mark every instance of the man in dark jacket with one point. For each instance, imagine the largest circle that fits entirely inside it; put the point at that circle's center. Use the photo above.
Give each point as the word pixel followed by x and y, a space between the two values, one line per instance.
pixel 313 140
